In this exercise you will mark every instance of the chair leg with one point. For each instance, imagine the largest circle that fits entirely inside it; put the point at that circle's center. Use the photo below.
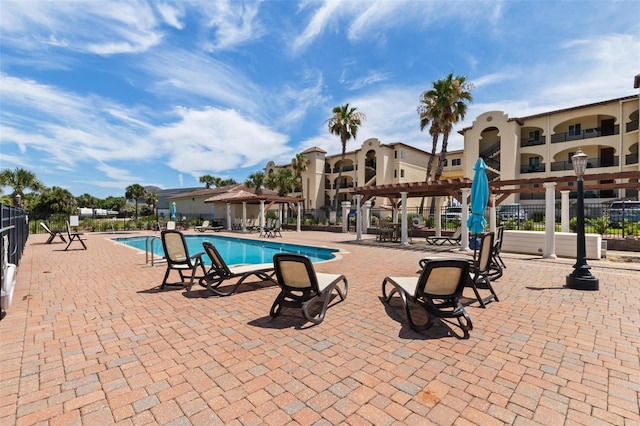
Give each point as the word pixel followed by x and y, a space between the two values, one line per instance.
pixel 164 281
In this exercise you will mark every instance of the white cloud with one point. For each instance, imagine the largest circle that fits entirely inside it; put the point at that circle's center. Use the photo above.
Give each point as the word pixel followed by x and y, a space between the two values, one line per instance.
pixel 232 23
pixel 171 13
pixel 320 19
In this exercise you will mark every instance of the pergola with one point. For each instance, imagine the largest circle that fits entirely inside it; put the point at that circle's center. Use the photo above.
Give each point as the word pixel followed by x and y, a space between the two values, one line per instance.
pixel 266 201
pixel 460 189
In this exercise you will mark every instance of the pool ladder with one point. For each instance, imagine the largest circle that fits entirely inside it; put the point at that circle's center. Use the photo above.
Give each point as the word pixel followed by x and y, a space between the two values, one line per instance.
pixel 149 248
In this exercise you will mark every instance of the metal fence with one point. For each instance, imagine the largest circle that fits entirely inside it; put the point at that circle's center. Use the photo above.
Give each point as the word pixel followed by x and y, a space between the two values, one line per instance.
pixel 14 225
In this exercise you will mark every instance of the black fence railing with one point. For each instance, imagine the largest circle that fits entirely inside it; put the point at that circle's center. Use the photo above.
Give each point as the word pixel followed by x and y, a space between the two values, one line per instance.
pixel 14 226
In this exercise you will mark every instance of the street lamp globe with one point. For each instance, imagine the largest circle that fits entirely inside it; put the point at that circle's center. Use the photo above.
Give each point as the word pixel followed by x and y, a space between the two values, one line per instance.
pixel 579 161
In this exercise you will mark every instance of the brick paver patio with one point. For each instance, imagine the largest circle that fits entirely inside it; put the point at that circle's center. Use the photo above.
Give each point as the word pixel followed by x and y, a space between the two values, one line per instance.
pixel 91 340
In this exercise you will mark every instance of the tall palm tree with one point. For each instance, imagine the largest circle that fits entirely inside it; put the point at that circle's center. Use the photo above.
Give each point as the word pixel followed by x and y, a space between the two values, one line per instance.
pixel 209 180
pixel 152 200
pixel 134 192
pixel 429 115
pixel 282 180
pixel 344 123
pixel 300 163
pixel 19 180
pixel 255 180
pixel 452 109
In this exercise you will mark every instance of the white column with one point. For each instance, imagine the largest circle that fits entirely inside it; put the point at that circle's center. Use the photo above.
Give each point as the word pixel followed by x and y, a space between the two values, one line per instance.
pixel 464 240
pixel 437 216
pixel 492 219
pixel 244 216
pixel 358 218
pixel 366 215
pixel 550 221
pixel 403 220
pixel 564 211
pixel 261 216
pixel 228 216
pixel 346 206
pixel 299 220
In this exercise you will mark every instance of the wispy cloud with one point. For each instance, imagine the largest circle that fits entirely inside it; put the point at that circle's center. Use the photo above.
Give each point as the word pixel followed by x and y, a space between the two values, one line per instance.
pixel 231 23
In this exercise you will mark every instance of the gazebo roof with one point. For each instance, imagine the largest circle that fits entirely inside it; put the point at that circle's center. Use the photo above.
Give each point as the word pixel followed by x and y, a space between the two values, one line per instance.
pixel 251 198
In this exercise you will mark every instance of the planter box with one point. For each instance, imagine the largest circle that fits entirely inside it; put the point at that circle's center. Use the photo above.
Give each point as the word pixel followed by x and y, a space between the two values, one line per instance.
pixel 531 242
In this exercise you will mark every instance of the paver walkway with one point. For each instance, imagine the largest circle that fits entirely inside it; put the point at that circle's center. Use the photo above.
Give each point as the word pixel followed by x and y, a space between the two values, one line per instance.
pixel 90 340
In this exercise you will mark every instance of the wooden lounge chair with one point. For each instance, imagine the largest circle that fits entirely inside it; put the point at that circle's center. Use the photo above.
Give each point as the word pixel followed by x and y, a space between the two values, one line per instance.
pixel 437 290
pixel 75 236
pixel 178 258
pixel 453 240
pixel 53 234
pixel 480 268
pixel 207 227
pixel 302 287
pixel 219 272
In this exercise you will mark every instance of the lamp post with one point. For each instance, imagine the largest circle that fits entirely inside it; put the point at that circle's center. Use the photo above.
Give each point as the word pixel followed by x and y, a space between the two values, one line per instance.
pixel 581 278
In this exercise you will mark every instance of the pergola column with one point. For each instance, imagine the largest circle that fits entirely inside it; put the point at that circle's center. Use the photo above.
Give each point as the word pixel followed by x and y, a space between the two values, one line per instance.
pixel 244 216
pixel 464 240
pixel 346 206
pixel 550 221
pixel 403 221
pixel 299 218
pixel 261 216
pixel 366 215
pixel 437 217
pixel 492 219
pixel 358 218
pixel 228 216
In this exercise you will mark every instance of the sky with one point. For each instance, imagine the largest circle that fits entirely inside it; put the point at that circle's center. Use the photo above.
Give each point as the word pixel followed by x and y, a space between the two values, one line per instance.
pixel 98 95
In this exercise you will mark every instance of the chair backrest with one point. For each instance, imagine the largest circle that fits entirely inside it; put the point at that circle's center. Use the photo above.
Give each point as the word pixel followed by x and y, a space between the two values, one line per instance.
pixel 171 225
pixel 457 235
pixel 205 223
pixel 295 272
pixel 46 228
pixel 485 252
pixel 68 228
pixel 217 262
pixel 175 247
pixel 498 243
pixel 443 278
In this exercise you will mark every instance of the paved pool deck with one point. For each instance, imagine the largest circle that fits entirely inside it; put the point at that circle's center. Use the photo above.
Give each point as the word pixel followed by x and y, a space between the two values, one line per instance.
pixel 90 339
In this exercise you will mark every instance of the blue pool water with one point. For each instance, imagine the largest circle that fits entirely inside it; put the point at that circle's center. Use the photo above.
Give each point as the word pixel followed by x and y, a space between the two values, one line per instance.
pixel 237 250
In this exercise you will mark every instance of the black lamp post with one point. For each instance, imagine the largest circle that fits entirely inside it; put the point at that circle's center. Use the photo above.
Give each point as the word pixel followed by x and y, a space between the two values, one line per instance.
pixel 581 278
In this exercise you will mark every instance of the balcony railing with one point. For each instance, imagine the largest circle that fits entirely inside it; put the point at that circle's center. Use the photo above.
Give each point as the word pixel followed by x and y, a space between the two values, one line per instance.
pixel 533 142
pixel 631 158
pixel 344 169
pixel 327 186
pixel 591 163
pixel 370 163
pixel 632 125
pixel 491 151
pixel 494 164
pixel 532 169
pixel 595 132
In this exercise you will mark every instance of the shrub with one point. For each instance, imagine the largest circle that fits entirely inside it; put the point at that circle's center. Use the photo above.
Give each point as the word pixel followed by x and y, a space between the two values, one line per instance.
pixel 599 225
pixel 537 216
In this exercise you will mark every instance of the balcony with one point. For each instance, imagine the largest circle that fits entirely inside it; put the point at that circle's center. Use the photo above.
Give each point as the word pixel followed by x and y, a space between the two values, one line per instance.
pixel 557 166
pixel 532 169
pixel 344 169
pixel 595 132
pixel 327 186
pixel 533 142
pixel 631 159
pixel 632 125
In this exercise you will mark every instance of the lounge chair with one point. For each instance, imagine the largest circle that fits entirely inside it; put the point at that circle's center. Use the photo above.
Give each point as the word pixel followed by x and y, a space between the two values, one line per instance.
pixel 207 227
pixel 53 234
pixel 437 290
pixel 453 240
pixel 171 225
pixel 301 286
pixel 480 268
pixel 75 236
pixel 221 272
pixel 497 264
pixel 178 258
pixel 271 229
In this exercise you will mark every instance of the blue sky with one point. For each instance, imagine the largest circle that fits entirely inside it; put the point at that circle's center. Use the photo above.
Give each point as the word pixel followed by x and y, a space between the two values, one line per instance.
pixel 97 95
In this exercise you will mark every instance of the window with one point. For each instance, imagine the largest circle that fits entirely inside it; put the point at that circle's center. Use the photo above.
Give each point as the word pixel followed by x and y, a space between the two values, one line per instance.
pixel 456 162
pixel 401 173
pixel 534 135
pixel 534 161
pixel 402 154
pixel 395 174
pixel 395 154
pixel 445 162
pixel 571 154
pixel 574 130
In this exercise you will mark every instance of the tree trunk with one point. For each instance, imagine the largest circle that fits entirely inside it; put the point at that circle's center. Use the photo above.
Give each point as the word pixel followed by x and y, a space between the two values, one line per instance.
pixel 434 148
pixel 335 198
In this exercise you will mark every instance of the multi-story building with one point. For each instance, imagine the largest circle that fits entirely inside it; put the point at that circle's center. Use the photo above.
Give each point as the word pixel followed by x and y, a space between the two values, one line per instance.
pixel 374 163
pixel 541 145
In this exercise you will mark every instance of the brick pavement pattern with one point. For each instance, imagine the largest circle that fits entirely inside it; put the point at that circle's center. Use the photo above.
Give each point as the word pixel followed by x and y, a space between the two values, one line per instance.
pixel 90 339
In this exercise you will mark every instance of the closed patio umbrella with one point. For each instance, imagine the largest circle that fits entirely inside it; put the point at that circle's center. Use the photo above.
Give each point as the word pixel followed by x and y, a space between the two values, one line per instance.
pixel 479 198
pixel 173 210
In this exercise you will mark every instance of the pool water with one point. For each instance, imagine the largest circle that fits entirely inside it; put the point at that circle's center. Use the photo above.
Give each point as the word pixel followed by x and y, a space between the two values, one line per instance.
pixel 236 250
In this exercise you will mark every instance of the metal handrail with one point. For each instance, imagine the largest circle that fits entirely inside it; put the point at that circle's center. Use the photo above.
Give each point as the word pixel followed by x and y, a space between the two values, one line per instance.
pixel 153 239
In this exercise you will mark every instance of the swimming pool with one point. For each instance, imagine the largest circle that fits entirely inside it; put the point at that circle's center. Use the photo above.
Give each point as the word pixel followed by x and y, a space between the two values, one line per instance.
pixel 237 250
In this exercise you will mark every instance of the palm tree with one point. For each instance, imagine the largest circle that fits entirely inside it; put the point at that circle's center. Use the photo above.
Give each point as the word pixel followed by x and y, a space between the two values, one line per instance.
pixel 19 180
pixel 344 123
pixel 452 109
pixel 134 192
pixel 152 199
pixel 283 180
pixel 300 163
pixel 255 180
pixel 209 180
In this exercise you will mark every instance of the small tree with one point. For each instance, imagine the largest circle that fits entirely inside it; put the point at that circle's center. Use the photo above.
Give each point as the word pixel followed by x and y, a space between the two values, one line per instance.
pixel 134 192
